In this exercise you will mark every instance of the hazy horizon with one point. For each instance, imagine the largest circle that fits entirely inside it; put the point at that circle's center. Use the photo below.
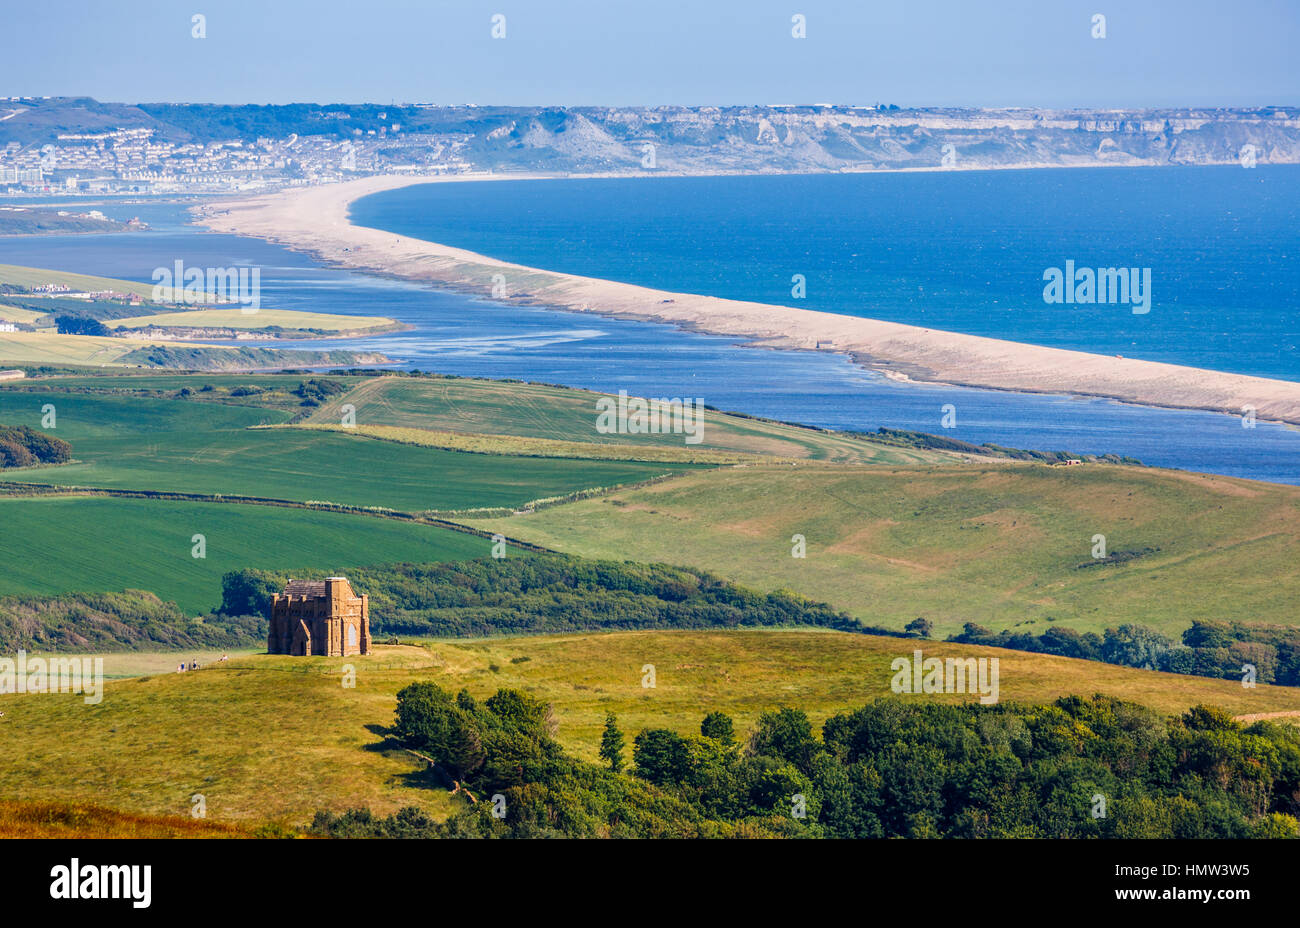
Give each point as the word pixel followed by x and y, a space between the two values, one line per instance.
pixel 924 53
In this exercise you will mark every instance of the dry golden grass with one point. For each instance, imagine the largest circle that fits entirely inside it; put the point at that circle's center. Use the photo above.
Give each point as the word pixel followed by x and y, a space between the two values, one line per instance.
pixel 273 739
pixel 534 447
pixel 527 410
pixel 236 318
pixel 79 820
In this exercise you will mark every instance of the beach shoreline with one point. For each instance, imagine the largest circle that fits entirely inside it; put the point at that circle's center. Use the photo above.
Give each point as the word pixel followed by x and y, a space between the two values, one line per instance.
pixel 315 220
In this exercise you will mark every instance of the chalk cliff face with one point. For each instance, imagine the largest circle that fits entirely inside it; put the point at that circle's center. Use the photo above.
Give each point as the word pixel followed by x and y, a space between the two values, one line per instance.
pixel 424 138
pixel 707 139
pixel 824 138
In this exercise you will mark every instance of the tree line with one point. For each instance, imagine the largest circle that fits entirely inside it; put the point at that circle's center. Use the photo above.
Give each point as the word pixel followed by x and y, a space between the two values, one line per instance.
pixel 130 620
pixel 1077 768
pixel 1224 650
pixel 543 593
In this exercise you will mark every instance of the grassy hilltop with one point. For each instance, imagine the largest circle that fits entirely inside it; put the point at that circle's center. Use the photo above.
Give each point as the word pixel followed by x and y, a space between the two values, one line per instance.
pixel 263 467
pixel 538 411
pixel 229 729
pixel 1002 546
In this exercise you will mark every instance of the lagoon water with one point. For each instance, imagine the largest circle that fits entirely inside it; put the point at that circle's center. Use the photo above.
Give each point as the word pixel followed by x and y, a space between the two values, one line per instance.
pixel 456 334
pixel 963 251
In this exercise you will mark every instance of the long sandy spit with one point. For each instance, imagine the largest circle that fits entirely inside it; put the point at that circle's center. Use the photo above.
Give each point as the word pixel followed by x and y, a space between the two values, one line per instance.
pixel 315 220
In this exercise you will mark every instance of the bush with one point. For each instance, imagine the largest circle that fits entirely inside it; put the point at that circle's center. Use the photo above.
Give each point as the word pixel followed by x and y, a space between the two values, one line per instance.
pixel 79 325
pixel 21 446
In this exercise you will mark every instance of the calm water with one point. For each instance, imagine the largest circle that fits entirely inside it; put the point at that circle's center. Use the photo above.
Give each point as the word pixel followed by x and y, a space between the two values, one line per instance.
pixel 461 335
pixel 962 251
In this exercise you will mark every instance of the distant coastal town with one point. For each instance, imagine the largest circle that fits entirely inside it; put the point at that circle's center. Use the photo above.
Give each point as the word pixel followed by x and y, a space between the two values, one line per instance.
pixel 78 146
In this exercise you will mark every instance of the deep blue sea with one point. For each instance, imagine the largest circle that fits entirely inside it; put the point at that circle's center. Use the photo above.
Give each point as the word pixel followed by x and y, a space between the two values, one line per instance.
pixel 961 251
pixel 456 334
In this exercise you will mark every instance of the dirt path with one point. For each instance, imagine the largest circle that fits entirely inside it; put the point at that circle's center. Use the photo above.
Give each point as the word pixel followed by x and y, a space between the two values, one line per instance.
pixel 1262 716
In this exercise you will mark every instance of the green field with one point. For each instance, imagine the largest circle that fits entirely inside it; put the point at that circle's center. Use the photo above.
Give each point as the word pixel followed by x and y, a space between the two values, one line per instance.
pixel 147 382
pixel 89 418
pixel 270 390
pixel 190 447
pixel 62 544
pixel 228 730
pixel 1002 546
pixel 564 414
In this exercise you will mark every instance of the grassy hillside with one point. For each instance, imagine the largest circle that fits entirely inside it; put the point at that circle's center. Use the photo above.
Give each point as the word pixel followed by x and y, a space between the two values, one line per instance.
pixel 151 383
pixel 538 447
pixel 86 820
pixel 15 314
pixel 28 277
pixel 289 393
pixel 263 318
pixel 1003 546
pixel 34 221
pixel 563 414
pixel 83 418
pixel 56 545
pixel 180 446
pixel 47 348
pixel 290 720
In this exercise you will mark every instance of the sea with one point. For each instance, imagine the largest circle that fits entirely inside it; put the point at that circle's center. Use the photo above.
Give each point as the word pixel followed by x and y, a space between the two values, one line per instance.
pixel 964 251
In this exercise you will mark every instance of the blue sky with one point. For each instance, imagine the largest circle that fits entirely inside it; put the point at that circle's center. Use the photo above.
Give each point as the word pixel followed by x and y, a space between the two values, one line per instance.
pixel 575 52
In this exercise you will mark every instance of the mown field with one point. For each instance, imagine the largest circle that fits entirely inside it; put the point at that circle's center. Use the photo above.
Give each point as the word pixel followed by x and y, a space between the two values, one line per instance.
pixel 563 414
pixel 180 446
pixel 538 447
pixel 29 277
pixel 15 314
pixel 228 730
pixel 54 545
pixel 221 316
pixel 48 348
pixel 1002 546
pixel 235 318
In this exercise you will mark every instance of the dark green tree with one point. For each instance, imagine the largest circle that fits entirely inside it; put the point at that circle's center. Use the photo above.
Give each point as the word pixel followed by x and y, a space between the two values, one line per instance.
pixel 660 756
pixel 920 627
pixel 786 734
pixel 611 744
pixel 719 727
